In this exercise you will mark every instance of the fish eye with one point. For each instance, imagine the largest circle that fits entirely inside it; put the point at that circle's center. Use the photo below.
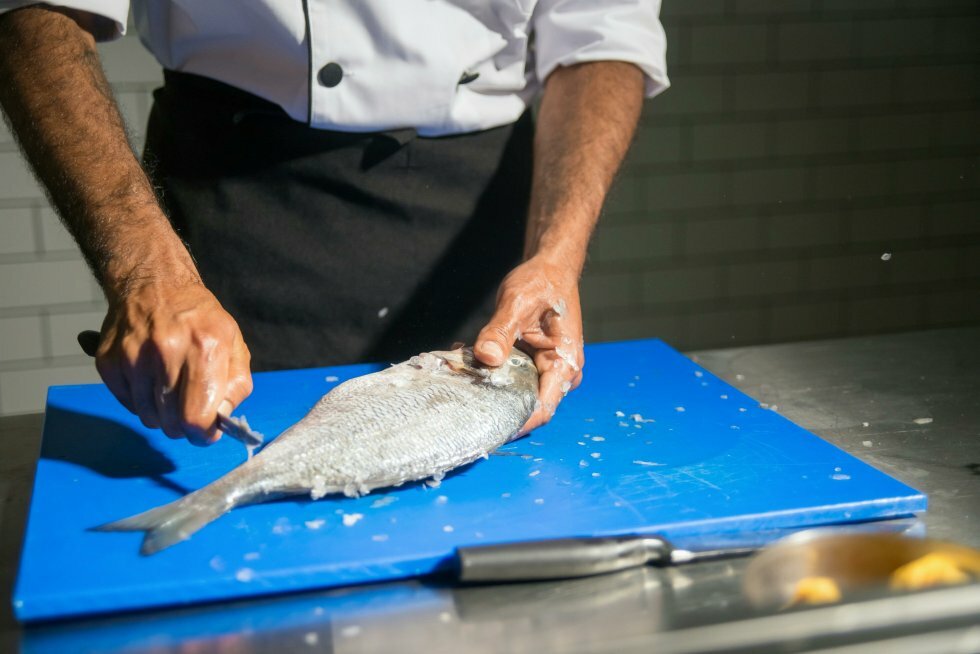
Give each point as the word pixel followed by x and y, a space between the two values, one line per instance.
pixel 515 361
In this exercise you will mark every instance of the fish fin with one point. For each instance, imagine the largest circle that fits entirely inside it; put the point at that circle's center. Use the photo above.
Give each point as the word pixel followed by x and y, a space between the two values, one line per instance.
pixel 171 523
pixel 139 522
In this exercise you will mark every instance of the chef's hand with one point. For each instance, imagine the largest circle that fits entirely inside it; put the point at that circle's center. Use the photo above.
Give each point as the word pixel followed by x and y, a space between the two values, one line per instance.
pixel 538 307
pixel 172 356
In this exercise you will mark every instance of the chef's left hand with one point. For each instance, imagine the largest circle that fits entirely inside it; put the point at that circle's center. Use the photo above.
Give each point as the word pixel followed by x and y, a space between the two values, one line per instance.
pixel 538 307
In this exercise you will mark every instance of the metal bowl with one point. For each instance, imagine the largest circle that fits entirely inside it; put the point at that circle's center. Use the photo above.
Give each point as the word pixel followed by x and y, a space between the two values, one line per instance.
pixel 858 563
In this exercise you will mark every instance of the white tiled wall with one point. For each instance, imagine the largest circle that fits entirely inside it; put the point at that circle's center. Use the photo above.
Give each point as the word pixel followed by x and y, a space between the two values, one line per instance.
pixel 800 141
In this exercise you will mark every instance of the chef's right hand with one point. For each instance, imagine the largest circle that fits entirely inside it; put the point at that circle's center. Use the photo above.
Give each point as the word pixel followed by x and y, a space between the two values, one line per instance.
pixel 174 357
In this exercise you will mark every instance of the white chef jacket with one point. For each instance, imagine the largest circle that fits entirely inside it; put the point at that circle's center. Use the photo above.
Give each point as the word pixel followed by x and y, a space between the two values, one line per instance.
pixel 439 66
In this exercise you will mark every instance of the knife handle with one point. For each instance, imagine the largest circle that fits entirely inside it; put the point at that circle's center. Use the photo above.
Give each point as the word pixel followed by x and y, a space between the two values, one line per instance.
pixel 89 341
pixel 559 558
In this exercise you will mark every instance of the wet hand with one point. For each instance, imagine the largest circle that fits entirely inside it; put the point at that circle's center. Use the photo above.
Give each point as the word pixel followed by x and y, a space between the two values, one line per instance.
pixel 174 357
pixel 538 308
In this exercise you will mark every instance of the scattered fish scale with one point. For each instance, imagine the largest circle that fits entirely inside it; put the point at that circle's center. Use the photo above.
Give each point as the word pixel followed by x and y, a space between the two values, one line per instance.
pixel 568 358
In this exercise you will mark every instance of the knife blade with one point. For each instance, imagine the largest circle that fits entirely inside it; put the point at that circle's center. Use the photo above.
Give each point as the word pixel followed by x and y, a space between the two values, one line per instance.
pixel 237 428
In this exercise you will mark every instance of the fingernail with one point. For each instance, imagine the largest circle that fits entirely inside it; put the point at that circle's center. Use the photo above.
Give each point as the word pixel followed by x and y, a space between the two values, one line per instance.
pixel 491 349
pixel 225 407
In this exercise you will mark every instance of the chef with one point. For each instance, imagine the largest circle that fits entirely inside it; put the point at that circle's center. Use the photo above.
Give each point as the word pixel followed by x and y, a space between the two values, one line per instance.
pixel 328 181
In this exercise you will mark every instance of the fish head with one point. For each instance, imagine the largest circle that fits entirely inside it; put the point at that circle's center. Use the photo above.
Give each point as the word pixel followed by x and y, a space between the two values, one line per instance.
pixel 518 369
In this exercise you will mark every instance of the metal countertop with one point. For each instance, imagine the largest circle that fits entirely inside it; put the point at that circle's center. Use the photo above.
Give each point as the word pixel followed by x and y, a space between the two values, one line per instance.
pixel 908 404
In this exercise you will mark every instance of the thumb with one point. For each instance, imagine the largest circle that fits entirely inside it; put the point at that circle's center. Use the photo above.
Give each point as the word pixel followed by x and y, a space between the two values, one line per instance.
pixel 495 340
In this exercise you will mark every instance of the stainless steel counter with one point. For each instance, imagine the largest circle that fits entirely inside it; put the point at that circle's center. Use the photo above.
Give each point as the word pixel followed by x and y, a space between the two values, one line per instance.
pixel 908 404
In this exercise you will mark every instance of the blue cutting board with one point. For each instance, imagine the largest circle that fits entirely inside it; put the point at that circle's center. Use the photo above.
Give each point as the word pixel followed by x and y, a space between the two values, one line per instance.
pixel 650 443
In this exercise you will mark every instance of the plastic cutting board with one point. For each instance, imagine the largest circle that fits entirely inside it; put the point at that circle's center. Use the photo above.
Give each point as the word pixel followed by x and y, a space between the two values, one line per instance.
pixel 650 443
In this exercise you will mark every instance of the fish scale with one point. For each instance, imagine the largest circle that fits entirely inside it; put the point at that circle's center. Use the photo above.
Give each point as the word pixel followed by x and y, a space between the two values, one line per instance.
pixel 415 420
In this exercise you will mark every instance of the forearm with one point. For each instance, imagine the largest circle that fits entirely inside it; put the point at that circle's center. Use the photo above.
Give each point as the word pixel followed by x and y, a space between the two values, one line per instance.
pixel 61 109
pixel 587 118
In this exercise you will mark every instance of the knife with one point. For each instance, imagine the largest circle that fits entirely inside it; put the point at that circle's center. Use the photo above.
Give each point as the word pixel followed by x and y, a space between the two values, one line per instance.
pixel 237 428
pixel 563 558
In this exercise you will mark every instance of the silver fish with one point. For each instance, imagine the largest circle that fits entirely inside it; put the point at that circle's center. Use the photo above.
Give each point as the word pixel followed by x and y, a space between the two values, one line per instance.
pixel 417 419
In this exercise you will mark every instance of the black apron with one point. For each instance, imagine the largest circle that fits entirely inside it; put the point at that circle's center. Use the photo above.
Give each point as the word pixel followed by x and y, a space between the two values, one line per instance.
pixel 335 247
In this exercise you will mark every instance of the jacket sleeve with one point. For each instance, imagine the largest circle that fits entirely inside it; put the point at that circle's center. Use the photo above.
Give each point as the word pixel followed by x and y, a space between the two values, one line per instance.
pixel 110 14
pixel 568 32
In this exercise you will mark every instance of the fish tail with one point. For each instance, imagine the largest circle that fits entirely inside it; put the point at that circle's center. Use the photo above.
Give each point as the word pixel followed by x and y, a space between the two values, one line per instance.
pixel 174 522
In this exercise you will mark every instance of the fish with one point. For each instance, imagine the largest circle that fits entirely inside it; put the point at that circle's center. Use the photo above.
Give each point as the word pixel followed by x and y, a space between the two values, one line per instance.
pixel 416 420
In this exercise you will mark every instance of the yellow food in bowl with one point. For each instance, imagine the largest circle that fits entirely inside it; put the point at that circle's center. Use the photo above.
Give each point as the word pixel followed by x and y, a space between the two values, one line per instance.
pixel 929 571
pixel 815 590
pixel 933 569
